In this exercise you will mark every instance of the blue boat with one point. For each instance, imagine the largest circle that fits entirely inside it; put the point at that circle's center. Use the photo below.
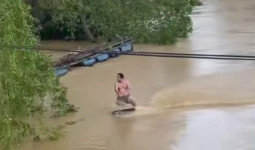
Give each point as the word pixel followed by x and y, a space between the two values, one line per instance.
pixel 102 57
pixel 114 53
pixel 61 71
pixel 90 58
pixel 88 62
pixel 127 47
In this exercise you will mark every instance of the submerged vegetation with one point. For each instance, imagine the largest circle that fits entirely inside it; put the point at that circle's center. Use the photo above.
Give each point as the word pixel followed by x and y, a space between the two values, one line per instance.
pixel 29 90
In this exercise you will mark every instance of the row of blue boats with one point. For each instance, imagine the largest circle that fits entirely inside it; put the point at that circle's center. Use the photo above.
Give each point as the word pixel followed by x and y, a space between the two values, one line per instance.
pixel 90 60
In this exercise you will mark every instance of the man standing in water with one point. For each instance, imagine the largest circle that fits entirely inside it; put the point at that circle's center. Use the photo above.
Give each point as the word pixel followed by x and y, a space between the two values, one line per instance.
pixel 122 88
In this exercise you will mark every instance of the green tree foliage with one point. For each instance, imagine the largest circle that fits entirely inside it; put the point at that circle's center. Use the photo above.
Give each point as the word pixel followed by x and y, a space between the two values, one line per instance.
pixel 28 86
pixel 150 21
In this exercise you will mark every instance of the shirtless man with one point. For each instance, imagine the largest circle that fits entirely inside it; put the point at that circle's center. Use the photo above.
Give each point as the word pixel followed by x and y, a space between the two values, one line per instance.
pixel 122 89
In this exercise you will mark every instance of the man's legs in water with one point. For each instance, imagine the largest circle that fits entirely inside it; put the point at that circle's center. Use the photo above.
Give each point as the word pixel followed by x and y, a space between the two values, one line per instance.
pixel 121 101
pixel 131 101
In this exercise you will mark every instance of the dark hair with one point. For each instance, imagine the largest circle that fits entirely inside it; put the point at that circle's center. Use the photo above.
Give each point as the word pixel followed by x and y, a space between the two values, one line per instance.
pixel 121 75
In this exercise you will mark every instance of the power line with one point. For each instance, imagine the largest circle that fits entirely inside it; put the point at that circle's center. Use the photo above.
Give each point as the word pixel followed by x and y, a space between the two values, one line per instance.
pixel 193 56
pixel 148 54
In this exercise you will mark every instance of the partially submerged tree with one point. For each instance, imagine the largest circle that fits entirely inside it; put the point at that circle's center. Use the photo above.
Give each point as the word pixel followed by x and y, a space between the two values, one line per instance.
pixel 69 16
pixel 150 21
pixel 154 21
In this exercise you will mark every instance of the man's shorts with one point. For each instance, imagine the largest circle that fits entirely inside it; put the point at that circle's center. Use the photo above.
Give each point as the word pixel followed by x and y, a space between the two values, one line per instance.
pixel 123 100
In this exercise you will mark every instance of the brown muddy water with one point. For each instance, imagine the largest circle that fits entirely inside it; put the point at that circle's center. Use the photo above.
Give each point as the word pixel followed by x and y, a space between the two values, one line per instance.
pixel 182 102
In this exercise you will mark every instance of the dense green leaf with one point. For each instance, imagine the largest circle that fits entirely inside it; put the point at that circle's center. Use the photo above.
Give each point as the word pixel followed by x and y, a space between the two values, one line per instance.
pixel 26 76
pixel 154 21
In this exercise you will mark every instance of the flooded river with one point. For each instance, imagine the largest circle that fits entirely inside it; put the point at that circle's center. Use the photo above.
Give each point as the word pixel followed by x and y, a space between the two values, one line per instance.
pixel 183 103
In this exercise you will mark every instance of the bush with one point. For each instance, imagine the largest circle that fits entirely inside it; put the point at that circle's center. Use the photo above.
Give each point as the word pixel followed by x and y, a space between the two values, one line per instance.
pixel 27 81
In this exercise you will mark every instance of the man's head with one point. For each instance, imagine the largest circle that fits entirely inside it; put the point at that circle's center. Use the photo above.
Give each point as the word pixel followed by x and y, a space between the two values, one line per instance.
pixel 120 77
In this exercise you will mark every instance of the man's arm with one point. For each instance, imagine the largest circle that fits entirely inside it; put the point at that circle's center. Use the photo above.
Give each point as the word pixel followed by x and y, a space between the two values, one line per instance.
pixel 116 89
pixel 128 87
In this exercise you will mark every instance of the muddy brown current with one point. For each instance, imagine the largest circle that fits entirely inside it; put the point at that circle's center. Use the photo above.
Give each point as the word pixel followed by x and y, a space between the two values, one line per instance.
pixel 183 104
